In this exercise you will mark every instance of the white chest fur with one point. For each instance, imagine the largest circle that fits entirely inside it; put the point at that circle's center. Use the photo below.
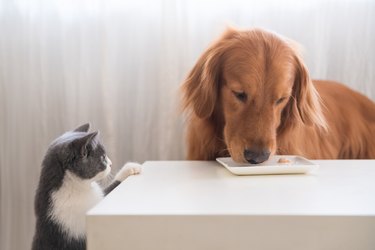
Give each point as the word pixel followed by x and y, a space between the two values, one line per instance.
pixel 71 202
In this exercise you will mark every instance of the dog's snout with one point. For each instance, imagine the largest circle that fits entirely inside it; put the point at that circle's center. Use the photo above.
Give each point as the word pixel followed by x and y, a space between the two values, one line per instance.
pixel 256 156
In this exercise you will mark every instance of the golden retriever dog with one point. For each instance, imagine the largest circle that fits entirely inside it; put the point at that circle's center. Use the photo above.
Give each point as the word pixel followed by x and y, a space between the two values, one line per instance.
pixel 250 96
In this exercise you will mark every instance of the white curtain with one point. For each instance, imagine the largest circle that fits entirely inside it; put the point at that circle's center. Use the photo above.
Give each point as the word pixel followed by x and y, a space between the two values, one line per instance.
pixel 118 64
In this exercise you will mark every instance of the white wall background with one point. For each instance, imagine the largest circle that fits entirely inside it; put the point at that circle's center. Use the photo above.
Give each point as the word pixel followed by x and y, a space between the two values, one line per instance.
pixel 118 64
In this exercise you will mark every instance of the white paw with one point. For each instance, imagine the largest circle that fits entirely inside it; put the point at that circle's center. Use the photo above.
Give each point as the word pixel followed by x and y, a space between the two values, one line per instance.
pixel 130 168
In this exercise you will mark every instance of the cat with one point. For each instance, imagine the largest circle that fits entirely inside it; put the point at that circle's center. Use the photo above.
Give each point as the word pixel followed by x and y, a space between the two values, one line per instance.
pixel 68 188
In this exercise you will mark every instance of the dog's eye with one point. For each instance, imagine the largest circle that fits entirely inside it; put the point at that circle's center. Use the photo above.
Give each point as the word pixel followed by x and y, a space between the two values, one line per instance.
pixel 240 96
pixel 280 100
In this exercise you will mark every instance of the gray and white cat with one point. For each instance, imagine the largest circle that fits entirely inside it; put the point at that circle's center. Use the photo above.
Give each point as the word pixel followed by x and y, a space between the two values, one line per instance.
pixel 68 189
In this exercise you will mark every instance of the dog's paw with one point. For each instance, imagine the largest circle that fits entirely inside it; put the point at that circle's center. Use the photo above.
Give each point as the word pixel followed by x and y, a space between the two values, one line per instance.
pixel 130 168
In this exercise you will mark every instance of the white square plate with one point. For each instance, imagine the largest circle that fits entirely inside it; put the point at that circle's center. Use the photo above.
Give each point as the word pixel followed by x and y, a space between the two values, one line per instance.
pixel 296 165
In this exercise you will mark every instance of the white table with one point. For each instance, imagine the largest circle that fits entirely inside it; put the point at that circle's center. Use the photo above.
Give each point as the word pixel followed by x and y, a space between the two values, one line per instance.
pixel 197 205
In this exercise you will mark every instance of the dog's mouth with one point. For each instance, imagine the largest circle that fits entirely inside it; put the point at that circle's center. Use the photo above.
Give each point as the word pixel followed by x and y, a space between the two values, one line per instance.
pixel 243 150
pixel 250 155
pixel 256 156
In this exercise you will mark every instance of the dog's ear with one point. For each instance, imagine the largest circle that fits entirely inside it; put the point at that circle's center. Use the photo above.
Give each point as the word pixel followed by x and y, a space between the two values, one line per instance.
pixel 305 103
pixel 201 87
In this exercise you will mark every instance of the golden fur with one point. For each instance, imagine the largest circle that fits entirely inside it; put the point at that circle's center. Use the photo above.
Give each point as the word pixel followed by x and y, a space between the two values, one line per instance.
pixel 251 89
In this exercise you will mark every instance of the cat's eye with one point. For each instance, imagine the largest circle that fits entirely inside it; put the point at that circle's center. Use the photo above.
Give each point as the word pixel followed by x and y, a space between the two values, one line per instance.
pixel 280 100
pixel 102 158
pixel 242 96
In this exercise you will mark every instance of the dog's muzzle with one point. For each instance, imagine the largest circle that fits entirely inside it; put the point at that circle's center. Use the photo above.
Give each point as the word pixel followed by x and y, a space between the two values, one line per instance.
pixel 256 156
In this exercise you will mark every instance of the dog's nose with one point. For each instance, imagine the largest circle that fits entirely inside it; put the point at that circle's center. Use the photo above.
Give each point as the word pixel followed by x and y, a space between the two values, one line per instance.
pixel 256 156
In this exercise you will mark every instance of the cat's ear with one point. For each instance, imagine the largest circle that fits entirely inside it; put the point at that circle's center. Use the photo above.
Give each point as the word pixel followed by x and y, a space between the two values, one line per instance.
pixel 83 128
pixel 81 144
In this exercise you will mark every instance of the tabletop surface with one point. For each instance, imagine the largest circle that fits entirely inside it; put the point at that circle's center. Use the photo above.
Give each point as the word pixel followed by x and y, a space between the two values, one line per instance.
pixel 338 187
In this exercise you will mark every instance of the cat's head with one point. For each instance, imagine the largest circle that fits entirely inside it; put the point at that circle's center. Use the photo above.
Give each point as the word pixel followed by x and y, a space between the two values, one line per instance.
pixel 81 153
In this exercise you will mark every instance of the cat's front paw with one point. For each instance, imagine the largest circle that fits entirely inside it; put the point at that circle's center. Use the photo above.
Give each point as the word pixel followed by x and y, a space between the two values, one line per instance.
pixel 130 168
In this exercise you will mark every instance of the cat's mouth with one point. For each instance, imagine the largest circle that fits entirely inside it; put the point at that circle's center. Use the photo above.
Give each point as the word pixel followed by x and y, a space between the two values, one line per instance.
pixel 103 174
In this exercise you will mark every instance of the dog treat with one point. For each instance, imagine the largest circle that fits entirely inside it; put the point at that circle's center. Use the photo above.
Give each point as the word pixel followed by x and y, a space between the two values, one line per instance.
pixel 283 160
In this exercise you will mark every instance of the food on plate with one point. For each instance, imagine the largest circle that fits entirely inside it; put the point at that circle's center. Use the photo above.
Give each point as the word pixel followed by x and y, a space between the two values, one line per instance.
pixel 283 160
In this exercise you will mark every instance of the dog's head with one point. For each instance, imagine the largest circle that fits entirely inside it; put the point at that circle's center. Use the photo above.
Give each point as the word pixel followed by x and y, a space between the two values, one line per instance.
pixel 257 82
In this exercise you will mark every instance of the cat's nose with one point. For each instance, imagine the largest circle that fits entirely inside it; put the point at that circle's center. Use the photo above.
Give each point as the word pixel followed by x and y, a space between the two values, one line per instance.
pixel 109 162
